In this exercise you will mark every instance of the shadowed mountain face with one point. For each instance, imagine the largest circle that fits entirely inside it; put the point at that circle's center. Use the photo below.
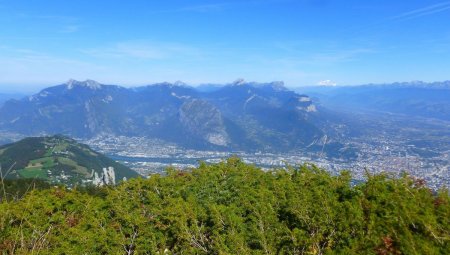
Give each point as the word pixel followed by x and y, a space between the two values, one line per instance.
pixel 236 116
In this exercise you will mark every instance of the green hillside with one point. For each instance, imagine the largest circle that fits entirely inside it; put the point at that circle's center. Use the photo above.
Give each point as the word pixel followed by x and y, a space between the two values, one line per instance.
pixel 56 159
pixel 232 208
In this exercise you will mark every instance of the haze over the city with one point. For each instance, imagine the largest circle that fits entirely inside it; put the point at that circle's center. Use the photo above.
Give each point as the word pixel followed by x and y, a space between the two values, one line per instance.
pixel 306 42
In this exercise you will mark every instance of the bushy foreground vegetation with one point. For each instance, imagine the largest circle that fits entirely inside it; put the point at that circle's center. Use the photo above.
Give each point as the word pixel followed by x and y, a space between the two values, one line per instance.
pixel 232 208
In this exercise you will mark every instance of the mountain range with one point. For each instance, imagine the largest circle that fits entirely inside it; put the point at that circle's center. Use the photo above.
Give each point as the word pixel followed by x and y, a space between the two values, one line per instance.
pixel 239 116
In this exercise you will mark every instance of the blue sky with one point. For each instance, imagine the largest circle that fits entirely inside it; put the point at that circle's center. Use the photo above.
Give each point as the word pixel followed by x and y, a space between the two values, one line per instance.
pixel 303 42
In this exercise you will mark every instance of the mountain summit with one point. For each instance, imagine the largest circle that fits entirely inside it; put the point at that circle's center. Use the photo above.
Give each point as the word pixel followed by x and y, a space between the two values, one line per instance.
pixel 91 84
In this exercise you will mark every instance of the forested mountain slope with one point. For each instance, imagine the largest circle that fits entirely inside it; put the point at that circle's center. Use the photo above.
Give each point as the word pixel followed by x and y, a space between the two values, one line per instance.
pixel 59 160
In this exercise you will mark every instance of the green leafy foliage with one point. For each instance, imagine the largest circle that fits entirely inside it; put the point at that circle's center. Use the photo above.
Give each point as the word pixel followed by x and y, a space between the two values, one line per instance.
pixel 232 208
pixel 16 189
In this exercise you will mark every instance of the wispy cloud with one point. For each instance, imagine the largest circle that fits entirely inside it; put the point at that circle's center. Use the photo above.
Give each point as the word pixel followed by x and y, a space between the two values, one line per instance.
pixel 64 18
pixel 61 23
pixel 339 56
pixel 322 53
pixel 143 50
pixel 384 23
pixel 25 66
pixel 425 11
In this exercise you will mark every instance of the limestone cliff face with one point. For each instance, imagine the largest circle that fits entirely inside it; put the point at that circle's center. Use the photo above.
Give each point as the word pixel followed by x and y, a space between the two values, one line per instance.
pixel 205 120
pixel 107 177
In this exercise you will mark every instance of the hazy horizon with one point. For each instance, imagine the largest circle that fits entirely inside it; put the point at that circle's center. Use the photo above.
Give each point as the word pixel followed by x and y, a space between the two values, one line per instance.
pixel 35 88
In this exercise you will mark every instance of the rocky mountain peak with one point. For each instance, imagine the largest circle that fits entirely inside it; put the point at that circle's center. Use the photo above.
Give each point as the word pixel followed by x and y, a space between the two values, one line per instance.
pixel 278 85
pixel 180 83
pixel 91 84
pixel 238 82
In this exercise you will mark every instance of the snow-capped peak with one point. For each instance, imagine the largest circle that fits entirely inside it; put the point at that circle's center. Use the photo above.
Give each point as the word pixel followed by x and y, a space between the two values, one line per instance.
pixel 327 83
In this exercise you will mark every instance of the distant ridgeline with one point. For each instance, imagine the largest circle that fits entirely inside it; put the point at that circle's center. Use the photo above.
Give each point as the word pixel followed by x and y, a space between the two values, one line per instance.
pixel 231 208
pixel 430 100
pixel 60 160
